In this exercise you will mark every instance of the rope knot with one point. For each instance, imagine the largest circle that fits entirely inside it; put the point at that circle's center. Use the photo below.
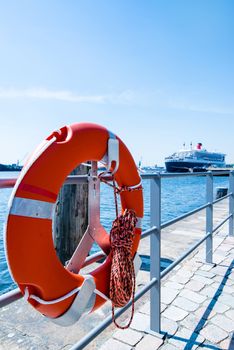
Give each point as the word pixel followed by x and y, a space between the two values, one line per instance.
pixel 128 189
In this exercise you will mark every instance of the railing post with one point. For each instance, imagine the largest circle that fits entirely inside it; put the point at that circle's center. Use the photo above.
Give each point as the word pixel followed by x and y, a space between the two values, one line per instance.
pixel 155 253
pixel 231 202
pixel 209 217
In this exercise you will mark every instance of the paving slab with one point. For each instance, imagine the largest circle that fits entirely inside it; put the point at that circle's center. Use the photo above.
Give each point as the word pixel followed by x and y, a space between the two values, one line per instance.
pixel 168 295
pixel 220 279
pixel 207 274
pixel 217 259
pixel 220 270
pixel 229 283
pixel 185 337
pixel 145 309
pixel 140 322
pixel 225 247
pixel 223 322
pixel 192 262
pixel 190 268
pixel 195 297
pixel 227 299
pixel 210 292
pixel 174 313
pixel 185 304
pixel 185 273
pixel 207 267
pixel 128 336
pixel 195 286
pixel 228 289
pixel 113 344
pixel 204 312
pixel 169 326
pixel 230 314
pixel 202 279
pixel 192 322
pixel 213 333
pixel 168 347
pixel 225 344
pixel 217 285
pixel 174 285
pixel 218 307
pixel 180 279
pixel 149 342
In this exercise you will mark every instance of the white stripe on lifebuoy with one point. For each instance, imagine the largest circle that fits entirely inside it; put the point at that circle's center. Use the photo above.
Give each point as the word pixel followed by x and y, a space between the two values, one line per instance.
pixel 32 208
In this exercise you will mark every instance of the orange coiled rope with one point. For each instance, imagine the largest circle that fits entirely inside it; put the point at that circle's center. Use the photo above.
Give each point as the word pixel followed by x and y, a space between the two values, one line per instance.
pixel 122 278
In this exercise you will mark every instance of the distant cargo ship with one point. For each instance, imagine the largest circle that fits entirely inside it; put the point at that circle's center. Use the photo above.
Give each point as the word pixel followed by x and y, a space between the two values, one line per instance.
pixel 192 160
pixel 10 167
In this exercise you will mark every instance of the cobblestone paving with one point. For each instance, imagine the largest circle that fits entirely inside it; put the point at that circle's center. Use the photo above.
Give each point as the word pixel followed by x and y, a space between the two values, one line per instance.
pixel 198 306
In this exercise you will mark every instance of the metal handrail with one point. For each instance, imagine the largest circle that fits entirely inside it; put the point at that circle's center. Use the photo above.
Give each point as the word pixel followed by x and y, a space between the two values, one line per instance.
pixel 76 179
pixel 148 232
pixel 184 216
pixel 182 257
pixel 169 175
pixel 70 180
pixel 154 233
pixel 195 246
pixel 10 297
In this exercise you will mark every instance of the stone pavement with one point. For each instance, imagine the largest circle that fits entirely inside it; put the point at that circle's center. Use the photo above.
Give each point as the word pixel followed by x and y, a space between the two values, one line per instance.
pixel 197 306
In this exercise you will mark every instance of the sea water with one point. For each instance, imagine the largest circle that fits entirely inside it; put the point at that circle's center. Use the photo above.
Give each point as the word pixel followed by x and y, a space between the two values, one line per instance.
pixel 179 195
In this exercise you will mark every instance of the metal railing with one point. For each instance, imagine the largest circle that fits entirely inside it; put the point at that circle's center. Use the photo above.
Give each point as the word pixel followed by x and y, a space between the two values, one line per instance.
pixel 154 286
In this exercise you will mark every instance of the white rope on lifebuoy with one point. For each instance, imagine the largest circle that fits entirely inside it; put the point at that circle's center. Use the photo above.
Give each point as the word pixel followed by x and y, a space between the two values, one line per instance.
pixel 28 296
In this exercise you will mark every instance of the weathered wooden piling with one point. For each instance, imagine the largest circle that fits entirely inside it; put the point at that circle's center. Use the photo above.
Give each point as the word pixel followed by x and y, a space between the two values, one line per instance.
pixel 71 216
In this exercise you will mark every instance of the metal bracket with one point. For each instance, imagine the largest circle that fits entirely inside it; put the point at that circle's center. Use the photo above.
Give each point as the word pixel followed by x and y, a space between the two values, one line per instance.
pixel 113 154
pixel 95 231
pixel 82 304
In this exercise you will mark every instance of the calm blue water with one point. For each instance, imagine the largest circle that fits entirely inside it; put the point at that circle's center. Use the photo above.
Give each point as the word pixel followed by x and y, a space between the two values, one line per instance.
pixel 179 195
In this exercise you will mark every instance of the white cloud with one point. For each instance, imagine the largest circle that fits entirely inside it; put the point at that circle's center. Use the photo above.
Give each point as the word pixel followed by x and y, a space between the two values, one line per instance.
pixel 156 98
pixel 64 95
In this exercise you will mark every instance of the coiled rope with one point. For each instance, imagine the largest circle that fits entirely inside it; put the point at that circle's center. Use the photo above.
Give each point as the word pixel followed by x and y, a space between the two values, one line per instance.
pixel 122 278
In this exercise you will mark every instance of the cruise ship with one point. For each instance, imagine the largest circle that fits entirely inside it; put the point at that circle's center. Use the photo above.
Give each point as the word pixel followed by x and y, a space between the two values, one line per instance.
pixel 191 160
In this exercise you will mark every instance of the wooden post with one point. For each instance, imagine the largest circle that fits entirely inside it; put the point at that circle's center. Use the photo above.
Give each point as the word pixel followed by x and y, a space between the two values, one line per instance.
pixel 71 216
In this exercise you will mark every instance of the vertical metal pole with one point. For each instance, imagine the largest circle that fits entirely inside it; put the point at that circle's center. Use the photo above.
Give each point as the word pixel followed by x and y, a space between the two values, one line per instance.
pixel 231 202
pixel 155 253
pixel 209 217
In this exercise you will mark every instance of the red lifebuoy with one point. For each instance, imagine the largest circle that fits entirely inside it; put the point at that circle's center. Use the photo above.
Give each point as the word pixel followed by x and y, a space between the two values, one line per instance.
pixel 33 263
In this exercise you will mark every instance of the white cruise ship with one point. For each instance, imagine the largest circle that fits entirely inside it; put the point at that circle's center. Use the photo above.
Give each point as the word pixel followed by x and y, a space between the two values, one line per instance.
pixel 197 159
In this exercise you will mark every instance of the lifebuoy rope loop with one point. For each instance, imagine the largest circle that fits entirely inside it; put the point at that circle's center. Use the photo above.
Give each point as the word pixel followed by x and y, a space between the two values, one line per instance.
pixel 39 300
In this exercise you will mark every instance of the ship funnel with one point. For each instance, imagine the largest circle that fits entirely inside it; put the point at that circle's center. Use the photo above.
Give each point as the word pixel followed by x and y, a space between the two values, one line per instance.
pixel 199 145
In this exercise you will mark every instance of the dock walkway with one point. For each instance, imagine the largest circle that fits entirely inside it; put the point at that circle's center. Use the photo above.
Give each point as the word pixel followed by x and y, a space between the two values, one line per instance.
pixel 197 302
pixel 197 299
pixel 197 307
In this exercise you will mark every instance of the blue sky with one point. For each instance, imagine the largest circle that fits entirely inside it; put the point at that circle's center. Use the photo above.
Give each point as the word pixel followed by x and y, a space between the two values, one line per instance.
pixel 157 73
